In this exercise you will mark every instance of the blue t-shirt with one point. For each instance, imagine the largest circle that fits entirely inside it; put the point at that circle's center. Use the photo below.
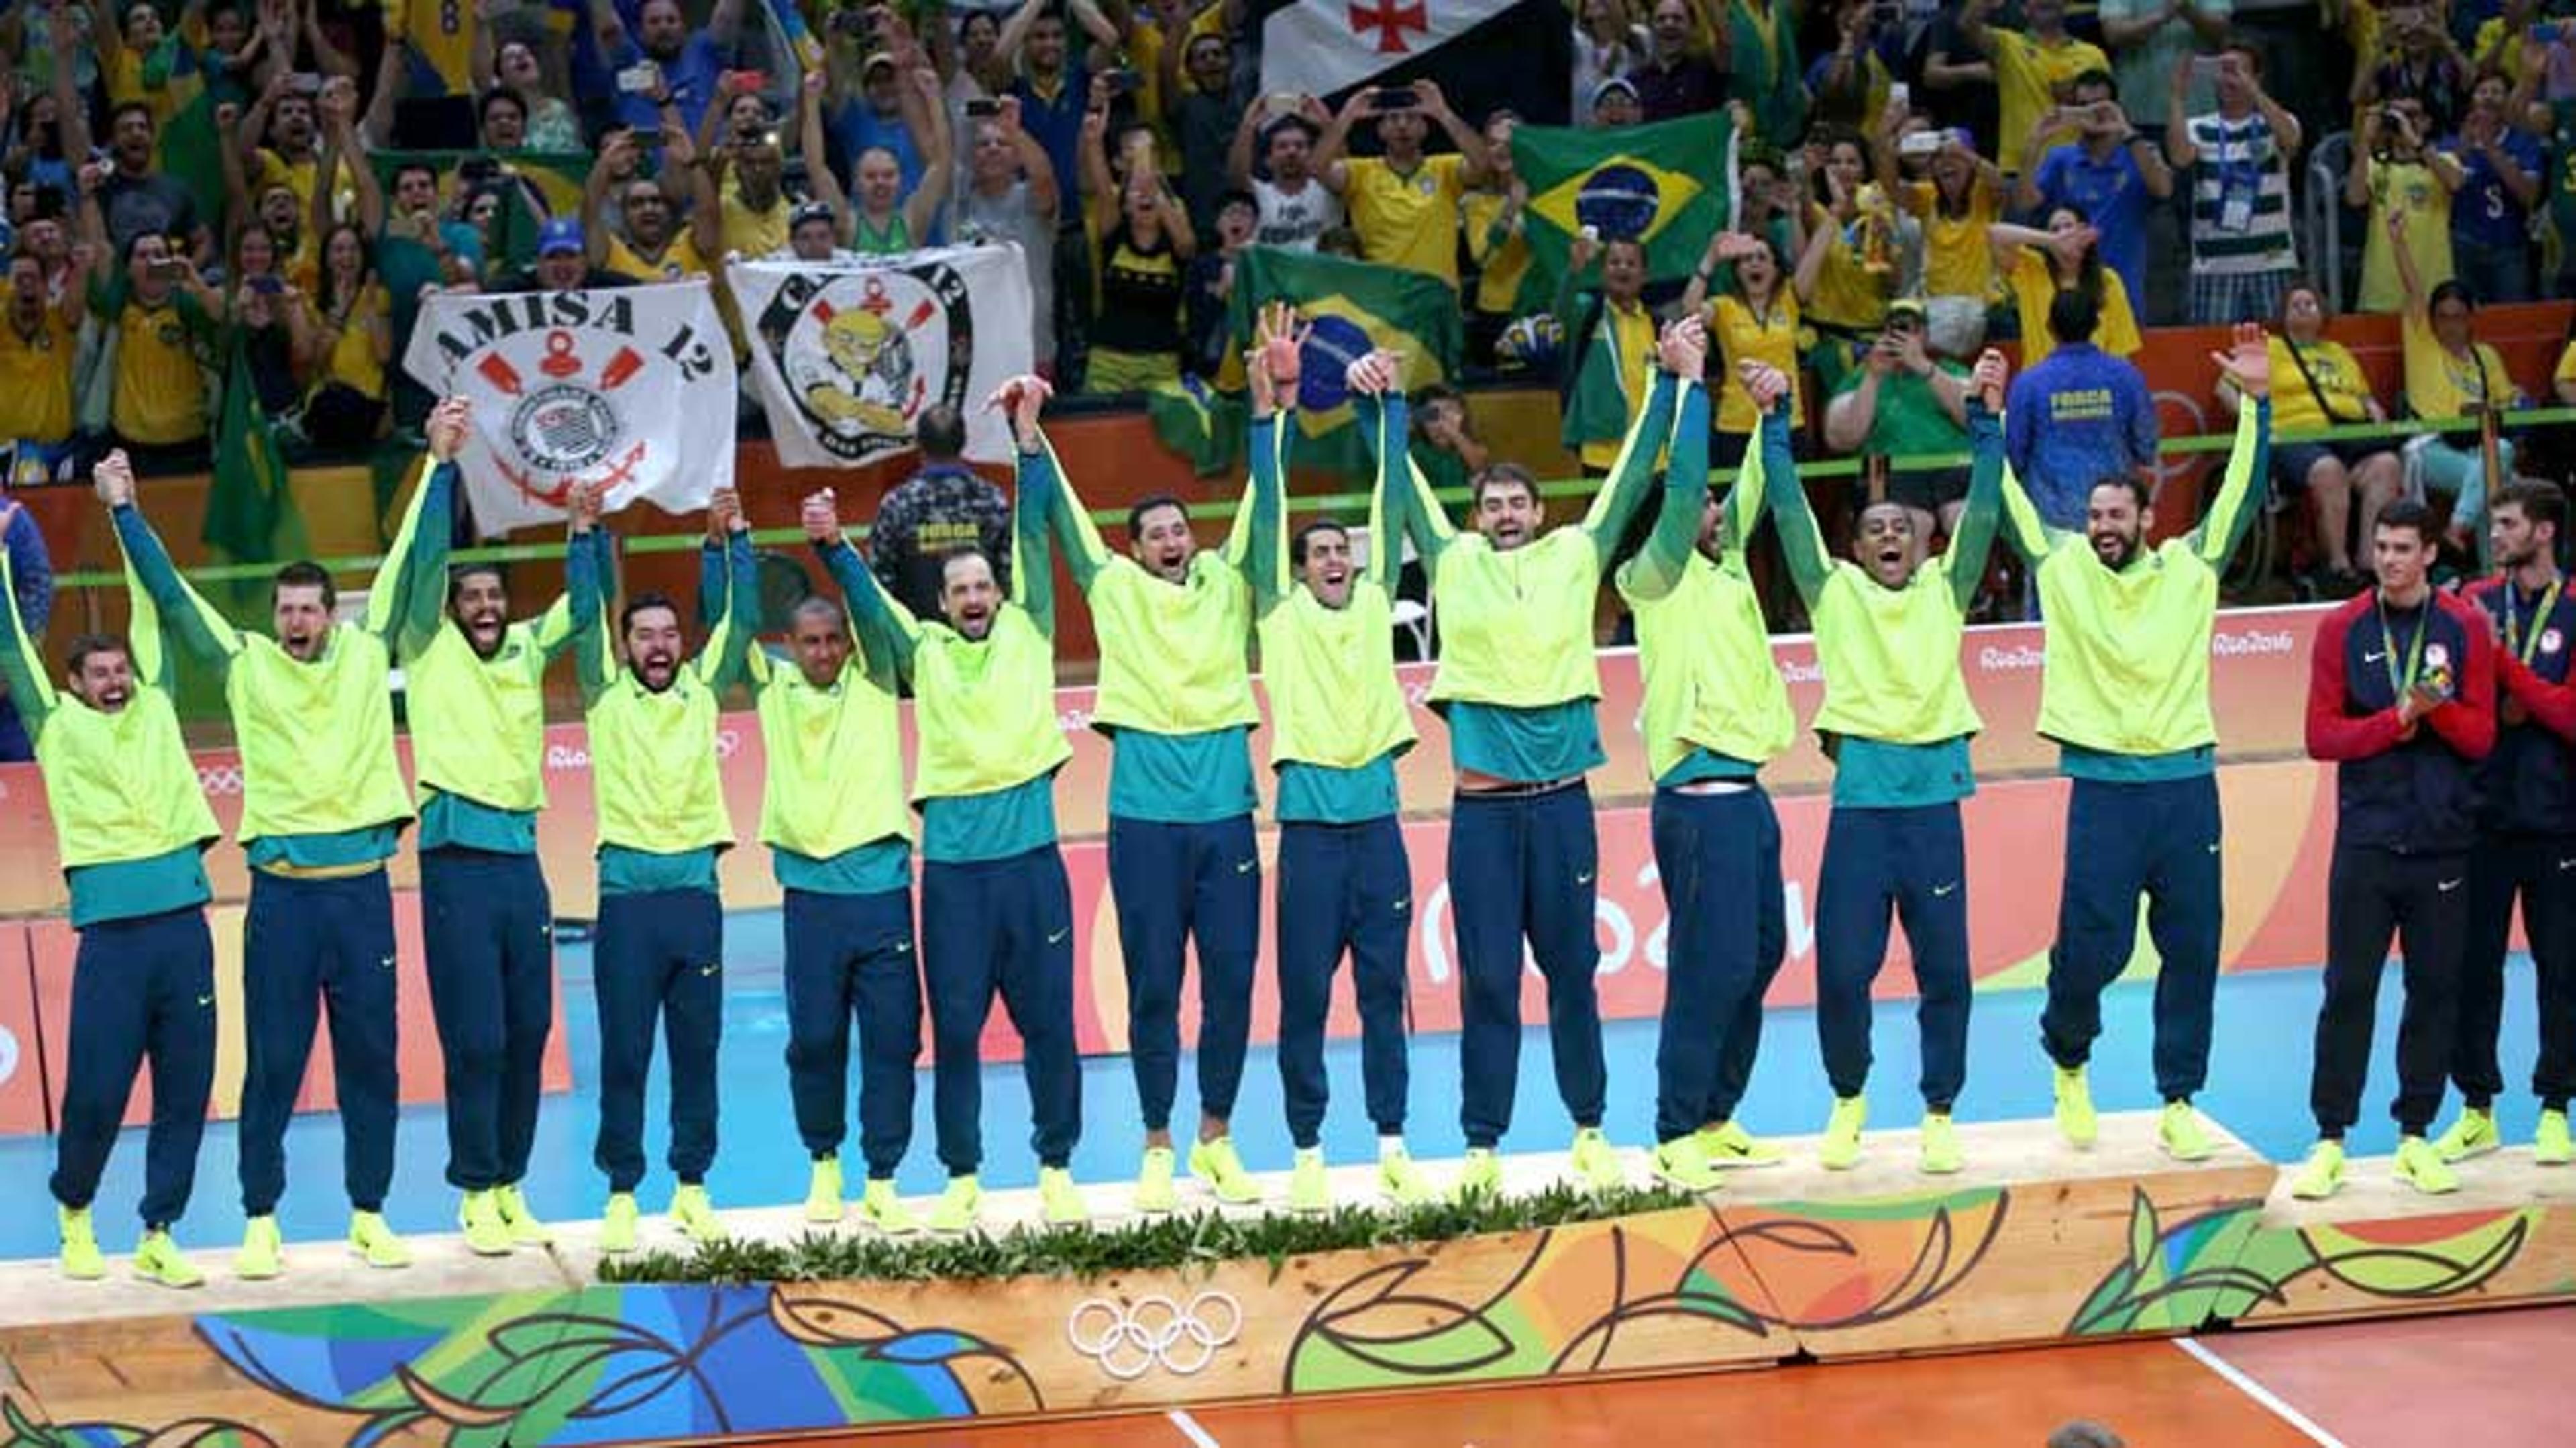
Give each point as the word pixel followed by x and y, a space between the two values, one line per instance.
pixel 2112 195
pixel 856 127
pixel 692 79
pixel 2078 417
pixel 2484 212
pixel 1056 125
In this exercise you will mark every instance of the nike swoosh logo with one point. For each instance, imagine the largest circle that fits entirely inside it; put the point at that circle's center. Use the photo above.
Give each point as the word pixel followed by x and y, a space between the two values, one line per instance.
pixel 2447 886
pixel 205 1000
pixel 1402 906
pixel 2567 864
pixel 2372 658
pixel 1056 937
pixel 901 946
pixel 1944 891
pixel 387 963
pixel 1585 878
pixel 2213 847
pixel 709 969
pixel 1244 867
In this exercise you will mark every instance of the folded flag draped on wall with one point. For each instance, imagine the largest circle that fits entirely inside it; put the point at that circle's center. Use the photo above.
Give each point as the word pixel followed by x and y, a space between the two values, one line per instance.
pixel 1663 184
pixel 845 355
pixel 632 389
pixel 1484 53
pixel 1354 307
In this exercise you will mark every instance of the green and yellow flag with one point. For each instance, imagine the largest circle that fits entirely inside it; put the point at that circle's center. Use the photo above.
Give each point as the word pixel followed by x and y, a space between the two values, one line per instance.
pixel 1663 184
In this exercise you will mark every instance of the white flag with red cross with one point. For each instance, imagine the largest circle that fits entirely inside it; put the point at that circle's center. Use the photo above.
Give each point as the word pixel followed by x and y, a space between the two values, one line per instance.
pixel 1320 47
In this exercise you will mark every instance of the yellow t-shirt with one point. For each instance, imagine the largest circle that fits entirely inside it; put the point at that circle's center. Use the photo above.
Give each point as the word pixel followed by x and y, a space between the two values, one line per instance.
pixel 2034 286
pixel 1633 333
pixel 159 394
pixel 1956 260
pixel 1848 294
pixel 2296 407
pixel 2499 45
pixel 752 233
pixel 1145 57
pixel 2426 204
pixel 122 74
pixel 1743 337
pixel 1409 221
pixel 439 33
pixel 2439 385
pixel 679 259
pixel 36 380
pixel 1498 285
pixel 2028 73
pixel 300 178
pixel 2566 369
pixel 352 359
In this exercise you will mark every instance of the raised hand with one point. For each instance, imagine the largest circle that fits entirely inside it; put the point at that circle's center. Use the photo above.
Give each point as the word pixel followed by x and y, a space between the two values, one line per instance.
pixel 724 513
pixel 2247 363
pixel 1374 374
pixel 2070 245
pixel 1683 348
pixel 113 479
pixel 1279 339
pixel 1764 383
pixel 1023 398
pixel 821 515
pixel 448 424
pixel 1988 380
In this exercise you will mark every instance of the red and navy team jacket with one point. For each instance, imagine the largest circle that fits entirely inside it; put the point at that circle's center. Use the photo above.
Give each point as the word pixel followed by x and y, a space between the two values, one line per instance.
pixel 2528 785
pixel 2408 789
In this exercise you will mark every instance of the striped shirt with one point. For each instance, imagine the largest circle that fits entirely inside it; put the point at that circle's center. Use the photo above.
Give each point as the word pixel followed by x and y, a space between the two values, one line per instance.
pixel 2239 153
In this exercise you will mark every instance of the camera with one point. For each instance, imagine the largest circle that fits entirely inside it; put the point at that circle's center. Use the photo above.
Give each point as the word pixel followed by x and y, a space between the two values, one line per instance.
pixel 1394 98
pixel 982 108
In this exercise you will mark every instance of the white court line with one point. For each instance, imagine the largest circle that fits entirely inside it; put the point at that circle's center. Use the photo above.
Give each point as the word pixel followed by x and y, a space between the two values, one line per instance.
pixel 1200 1437
pixel 2264 1397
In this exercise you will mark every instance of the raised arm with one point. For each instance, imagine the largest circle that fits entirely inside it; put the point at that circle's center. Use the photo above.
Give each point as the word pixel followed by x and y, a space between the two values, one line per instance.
pixel 1258 542
pixel 2248 370
pixel 930 193
pixel 1974 537
pixel 1658 567
pixel 1632 475
pixel 724 658
pixel 200 627
pixel 1378 407
pixel 1085 554
pixel 22 665
pixel 886 629
pixel 1802 541
pixel 1033 498
pixel 410 592
pixel 589 580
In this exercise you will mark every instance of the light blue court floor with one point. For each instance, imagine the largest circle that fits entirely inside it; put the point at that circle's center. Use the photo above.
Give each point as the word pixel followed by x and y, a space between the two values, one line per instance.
pixel 2258 1089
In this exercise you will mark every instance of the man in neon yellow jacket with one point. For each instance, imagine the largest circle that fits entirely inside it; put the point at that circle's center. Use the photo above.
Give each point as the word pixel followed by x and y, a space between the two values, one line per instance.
pixel 996 908
pixel 323 809
pixel 2126 698
pixel 131 827
pixel 658 957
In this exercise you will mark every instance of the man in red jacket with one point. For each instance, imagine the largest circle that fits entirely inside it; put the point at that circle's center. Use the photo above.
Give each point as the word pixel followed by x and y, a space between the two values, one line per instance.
pixel 2401 696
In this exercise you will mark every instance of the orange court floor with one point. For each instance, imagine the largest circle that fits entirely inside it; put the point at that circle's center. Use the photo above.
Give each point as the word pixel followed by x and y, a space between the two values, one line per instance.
pixel 2469 1380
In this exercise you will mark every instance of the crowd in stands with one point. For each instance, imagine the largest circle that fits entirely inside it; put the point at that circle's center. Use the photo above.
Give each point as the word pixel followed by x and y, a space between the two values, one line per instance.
pixel 257 193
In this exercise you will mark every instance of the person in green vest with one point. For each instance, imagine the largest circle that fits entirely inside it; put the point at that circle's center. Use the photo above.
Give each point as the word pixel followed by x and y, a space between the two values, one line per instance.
pixel 1339 722
pixel 1174 622
pixel 658 955
pixel 131 828
pixel 832 814
pixel 1715 712
pixel 1516 683
pixel 476 698
pixel 1611 337
pixel 1897 721
pixel 2126 698
pixel 323 809
pixel 996 908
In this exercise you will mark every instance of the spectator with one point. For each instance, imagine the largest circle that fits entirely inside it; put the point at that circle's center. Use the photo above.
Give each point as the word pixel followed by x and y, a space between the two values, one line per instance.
pixel 1753 318
pixel 2032 65
pixel 354 341
pixel 2423 63
pixel 2242 255
pixel 562 263
pixel 1615 106
pixel 2038 265
pixel 818 231
pixel 137 200
pixel 2081 416
pixel 1494 215
pixel 1963 197
pixel 417 248
pixel 1853 263
pixel 1608 43
pixel 2557 118
pixel 1054 92
pixel 2107 174
pixel 2450 374
pixel 1444 444
pixel 1011 194
pixel 281 134
pixel 1610 349
pixel 656 247
pixel 970 57
pixel 1292 205
pixel 1769 198
pixel 36 351
pixel 1903 402
pixel 2150 40
pixel 40 148
pixel 689 66
pixel 277 213
pixel 2498 45
pixel 537 81
pixel 1404 204
pixel 1762 52
pixel 886 220
pixel 1850 84
pixel 942 509
pixel 1199 109
pixel 2407 189
pixel 272 327
pixel 1209 286
pixel 2317 384
pixel 1960 77
pixel 136 55
pixel 889 112
pixel 31 579
pixel 752 213
pixel 163 315
pixel 2500 166
pixel 1681 74
pixel 1145 246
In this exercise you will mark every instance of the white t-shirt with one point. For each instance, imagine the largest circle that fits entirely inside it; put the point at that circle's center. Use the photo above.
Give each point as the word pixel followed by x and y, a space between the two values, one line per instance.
pixel 1294 219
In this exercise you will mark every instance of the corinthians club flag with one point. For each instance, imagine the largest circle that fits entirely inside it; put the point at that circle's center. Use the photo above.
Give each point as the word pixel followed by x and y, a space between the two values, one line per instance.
pixel 631 388
pixel 1664 184
pixel 1483 53
pixel 846 354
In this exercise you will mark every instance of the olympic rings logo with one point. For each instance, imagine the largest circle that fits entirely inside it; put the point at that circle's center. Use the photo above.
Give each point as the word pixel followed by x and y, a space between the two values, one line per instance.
pixel 1129 1339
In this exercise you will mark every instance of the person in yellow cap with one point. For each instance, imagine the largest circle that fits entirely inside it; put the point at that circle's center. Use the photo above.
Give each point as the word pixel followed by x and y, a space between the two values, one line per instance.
pixel 131 828
pixel 323 809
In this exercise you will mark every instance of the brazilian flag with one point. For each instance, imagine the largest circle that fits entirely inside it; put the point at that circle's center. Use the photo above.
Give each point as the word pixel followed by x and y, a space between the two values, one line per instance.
pixel 1200 423
pixel 1353 307
pixel 1664 185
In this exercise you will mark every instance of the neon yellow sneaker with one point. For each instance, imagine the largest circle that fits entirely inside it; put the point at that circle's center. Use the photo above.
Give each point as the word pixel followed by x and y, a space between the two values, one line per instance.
pixel 1727 1145
pixel 1941 1154
pixel 2322 1177
pixel 2076 1120
pixel 1480 1175
pixel 2420 1167
pixel 82 1261
pixel 524 1227
pixel 1154 1190
pixel 1840 1150
pixel 2180 1133
pixel 2549 1144
pixel 694 1213
pixel 372 1239
pixel 617 1225
pixel 486 1235
pixel 823 1191
pixel 2474 1134
pixel 263 1252
pixel 1597 1161
pixel 1215 1163
pixel 1400 1181
pixel 1308 1191
pixel 158 1259
pixel 1683 1162
pixel 1064 1204
pixel 885 1211
pixel 958 1204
